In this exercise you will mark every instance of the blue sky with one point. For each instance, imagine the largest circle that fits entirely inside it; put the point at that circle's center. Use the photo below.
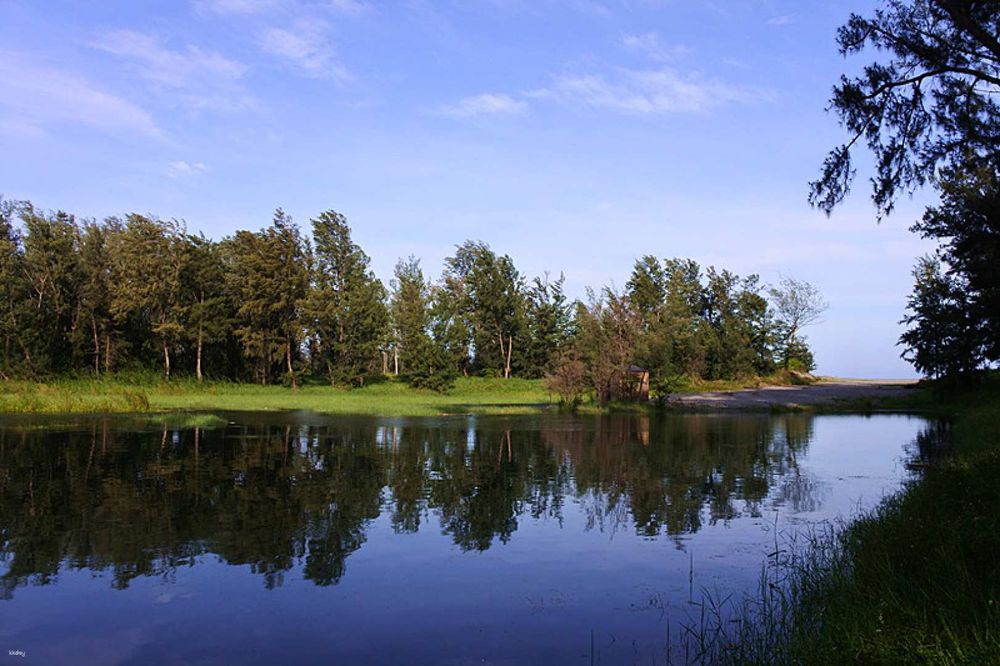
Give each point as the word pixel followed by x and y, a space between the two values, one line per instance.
pixel 575 135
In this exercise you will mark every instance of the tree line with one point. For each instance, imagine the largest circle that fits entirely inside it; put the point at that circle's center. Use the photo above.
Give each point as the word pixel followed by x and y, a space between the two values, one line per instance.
pixel 278 305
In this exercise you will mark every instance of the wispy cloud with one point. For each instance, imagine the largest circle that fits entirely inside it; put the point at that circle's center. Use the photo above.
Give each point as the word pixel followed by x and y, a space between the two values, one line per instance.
pixel 249 7
pixel 648 44
pixel 306 48
pixel 171 68
pixel 663 90
pixel 180 168
pixel 486 104
pixel 780 20
pixel 235 6
pixel 37 96
pixel 353 7
pixel 198 78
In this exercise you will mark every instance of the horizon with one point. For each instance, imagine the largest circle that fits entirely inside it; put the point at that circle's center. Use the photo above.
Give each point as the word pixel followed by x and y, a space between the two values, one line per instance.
pixel 614 127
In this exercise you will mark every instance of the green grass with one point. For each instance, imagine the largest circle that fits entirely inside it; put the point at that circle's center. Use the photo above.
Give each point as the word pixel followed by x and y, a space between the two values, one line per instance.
pixel 138 393
pixel 917 580
pixel 388 398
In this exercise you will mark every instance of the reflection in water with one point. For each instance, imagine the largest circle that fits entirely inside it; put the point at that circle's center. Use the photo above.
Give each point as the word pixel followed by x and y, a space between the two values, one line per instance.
pixel 276 495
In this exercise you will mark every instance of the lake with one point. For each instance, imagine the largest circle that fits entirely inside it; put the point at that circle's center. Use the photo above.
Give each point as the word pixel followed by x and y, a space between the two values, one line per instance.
pixel 307 539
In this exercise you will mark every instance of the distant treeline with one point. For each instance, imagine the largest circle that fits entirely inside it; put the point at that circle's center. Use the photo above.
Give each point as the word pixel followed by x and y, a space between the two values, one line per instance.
pixel 270 306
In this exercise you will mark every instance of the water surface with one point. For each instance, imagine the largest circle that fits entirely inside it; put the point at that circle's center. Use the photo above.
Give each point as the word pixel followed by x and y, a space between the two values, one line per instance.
pixel 302 539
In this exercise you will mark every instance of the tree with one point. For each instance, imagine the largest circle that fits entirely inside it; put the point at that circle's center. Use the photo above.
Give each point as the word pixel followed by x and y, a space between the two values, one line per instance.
pixel 13 294
pixel 94 321
pixel 647 289
pixel 51 273
pixel 268 275
pixel 424 359
pixel 943 339
pixel 797 304
pixel 346 306
pixel 929 101
pixel 568 379
pixel 608 327
pixel 492 293
pixel 450 326
pixel 206 316
pixel 729 350
pixel 146 279
pixel 409 305
pixel 548 324
pixel 967 225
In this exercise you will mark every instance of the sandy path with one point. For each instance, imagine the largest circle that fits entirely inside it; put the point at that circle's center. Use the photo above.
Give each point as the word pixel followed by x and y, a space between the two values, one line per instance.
pixel 826 392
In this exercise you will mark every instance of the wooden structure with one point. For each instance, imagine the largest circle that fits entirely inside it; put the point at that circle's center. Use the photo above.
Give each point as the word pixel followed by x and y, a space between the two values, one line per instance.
pixel 633 386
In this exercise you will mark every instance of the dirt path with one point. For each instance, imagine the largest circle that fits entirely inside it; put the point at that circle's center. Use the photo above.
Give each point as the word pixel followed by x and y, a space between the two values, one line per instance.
pixel 826 392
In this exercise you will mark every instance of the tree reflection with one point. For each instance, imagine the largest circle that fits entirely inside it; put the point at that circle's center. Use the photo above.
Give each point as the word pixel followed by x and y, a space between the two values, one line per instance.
pixel 132 500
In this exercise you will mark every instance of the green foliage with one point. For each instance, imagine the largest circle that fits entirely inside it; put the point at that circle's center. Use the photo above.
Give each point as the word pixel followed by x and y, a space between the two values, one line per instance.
pixel 928 100
pixel 274 307
pixel 424 360
pixel 943 338
pixel 268 276
pixel 346 306
pixel 146 269
pixel 548 326
pixel 568 379
pixel 490 293
pixel 967 224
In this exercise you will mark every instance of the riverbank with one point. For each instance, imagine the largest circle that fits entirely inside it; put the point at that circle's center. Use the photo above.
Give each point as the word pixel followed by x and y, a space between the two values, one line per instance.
pixel 478 395
pixel 388 398
pixel 917 580
pixel 826 393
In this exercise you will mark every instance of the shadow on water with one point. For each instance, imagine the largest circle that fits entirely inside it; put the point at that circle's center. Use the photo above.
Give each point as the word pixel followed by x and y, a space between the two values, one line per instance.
pixel 270 498
pixel 141 500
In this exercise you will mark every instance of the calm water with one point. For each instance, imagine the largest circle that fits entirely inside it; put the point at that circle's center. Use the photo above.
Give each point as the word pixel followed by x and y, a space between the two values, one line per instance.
pixel 302 539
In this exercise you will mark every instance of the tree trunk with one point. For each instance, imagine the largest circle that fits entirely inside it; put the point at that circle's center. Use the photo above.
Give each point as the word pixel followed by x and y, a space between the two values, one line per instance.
pixel 395 359
pixel 510 352
pixel 97 347
pixel 166 359
pixel 505 354
pixel 288 361
pixel 107 353
pixel 197 364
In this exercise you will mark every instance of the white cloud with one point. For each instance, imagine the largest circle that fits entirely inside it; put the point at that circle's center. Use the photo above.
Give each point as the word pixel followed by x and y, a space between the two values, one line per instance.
pixel 486 104
pixel 36 96
pixel 235 6
pixel 647 91
pixel 306 48
pixel 249 7
pixel 181 168
pixel 175 69
pixel 649 45
pixel 780 20
pixel 353 7
pixel 192 77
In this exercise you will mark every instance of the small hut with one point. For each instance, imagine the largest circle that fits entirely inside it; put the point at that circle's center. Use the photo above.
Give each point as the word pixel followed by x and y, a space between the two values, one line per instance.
pixel 634 385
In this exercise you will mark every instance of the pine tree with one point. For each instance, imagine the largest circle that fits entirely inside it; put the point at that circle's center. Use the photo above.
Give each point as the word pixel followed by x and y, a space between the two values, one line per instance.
pixel 207 318
pixel 146 279
pixel 268 275
pixel 346 307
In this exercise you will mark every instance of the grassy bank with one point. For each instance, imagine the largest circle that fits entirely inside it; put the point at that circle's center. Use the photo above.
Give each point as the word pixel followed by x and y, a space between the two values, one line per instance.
pixel 389 398
pixel 917 580
pixel 144 393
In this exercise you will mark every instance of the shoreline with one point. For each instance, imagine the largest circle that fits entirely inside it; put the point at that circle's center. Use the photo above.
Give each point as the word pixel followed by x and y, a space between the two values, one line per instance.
pixel 470 396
